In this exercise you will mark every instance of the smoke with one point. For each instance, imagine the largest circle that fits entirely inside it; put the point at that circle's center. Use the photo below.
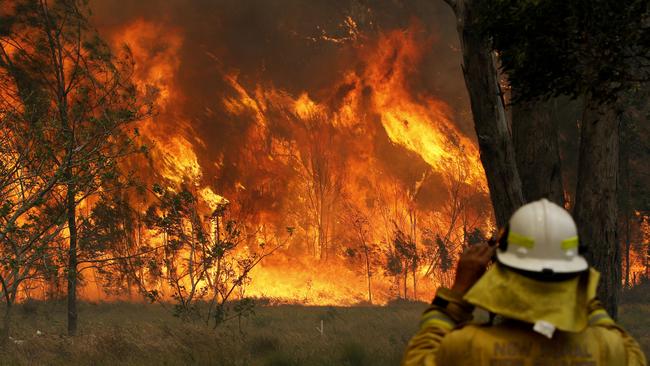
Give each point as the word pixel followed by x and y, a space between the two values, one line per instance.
pixel 288 44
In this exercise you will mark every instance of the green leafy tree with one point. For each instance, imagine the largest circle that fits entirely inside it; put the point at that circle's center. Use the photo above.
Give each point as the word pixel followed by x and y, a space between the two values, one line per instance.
pixel 187 255
pixel 596 50
pixel 577 48
pixel 110 242
pixel 69 80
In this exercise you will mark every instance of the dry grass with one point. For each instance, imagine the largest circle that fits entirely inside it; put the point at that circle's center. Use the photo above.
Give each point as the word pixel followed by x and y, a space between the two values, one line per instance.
pixel 140 334
pixel 635 314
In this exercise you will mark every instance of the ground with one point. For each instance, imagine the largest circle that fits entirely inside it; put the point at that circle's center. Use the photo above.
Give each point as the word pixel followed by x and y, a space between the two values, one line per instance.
pixel 144 334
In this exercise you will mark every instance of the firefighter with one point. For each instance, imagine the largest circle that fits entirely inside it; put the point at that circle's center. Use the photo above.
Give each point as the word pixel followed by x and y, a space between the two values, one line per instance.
pixel 541 294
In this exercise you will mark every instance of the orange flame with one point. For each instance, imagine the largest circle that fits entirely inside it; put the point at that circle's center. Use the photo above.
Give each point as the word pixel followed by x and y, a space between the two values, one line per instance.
pixel 380 91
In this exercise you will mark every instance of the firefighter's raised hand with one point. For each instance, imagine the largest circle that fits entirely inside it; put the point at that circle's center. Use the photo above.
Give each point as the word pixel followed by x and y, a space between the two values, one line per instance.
pixel 471 266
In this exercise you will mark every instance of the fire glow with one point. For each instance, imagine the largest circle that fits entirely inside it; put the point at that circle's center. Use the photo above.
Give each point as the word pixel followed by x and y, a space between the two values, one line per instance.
pixel 335 172
pixel 324 144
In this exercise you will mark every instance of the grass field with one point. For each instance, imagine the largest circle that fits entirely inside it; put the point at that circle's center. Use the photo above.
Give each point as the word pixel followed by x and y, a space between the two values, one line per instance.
pixel 141 334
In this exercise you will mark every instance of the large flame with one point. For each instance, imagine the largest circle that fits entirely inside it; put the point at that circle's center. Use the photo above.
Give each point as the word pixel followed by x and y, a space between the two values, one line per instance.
pixel 361 164
pixel 336 130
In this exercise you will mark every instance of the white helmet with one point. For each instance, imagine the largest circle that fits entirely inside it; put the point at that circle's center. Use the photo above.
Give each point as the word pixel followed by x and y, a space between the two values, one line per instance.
pixel 541 237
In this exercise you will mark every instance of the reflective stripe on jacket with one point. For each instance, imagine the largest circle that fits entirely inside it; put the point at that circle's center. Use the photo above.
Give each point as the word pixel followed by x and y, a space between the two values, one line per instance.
pixel 443 340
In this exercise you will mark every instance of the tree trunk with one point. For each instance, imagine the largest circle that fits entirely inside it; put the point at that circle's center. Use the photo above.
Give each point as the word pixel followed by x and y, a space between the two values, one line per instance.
pixel 406 273
pixel 624 196
pixel 627 250
pixel 647 261
pixel 72 256
pixel 495 143
pixel 535 139
pixel 415 286
pixel 368 273
pixel 6 323
pixel 413 219
pixel 369 288
pixel 596 202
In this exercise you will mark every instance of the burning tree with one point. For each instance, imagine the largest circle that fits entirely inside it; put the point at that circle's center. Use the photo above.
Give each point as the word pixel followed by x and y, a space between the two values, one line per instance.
pixel 439 257
pixel 406 251
pixel 368 126
pixel 203 255
pixel 363 248
pixel 321 172
pixel 187 255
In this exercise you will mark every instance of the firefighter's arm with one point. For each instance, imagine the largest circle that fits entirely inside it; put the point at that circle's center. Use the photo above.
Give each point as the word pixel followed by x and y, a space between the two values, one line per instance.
pixel 448 308
pixel 598 317
pixel 446 311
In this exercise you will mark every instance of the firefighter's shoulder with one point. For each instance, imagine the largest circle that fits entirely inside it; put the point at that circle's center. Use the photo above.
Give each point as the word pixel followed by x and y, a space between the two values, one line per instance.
pixel 515 343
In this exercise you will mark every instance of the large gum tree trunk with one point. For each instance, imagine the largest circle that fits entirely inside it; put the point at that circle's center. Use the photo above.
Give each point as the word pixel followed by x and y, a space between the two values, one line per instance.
pixel 596 209
pixel 494 140
pixel 535 139
pixel 625 208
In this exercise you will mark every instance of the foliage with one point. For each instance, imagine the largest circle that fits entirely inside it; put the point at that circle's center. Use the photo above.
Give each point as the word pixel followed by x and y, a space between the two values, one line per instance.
pixel 204 257
pixel 111 243
pixel 443 254
pixel 361 253
pixel 557 47
pixel 401 258
pixel 405 249
pixel 476 237
pixel 65 105
pixel 437 253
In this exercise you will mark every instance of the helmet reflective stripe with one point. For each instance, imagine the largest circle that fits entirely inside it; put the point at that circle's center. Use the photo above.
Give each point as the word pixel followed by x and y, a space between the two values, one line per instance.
pixel 570 243
pixel 522 241
pixel 542 237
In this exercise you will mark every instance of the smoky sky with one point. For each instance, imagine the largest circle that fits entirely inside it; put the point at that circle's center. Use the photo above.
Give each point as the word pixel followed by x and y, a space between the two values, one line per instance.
pixel 280 43
pixel 270 40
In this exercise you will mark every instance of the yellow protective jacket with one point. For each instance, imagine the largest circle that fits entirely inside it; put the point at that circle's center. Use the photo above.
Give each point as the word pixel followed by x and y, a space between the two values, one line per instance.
pixel 444 340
